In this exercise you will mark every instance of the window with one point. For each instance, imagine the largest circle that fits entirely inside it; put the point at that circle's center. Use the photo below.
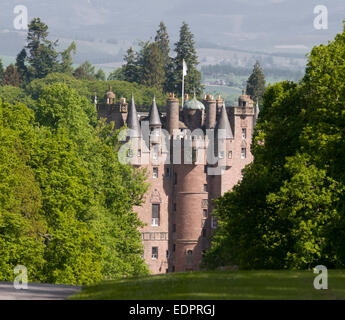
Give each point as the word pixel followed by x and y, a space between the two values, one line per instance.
pixel 213 222
pixel 205 187
pixel 243 153
pixel 205 169
pixel 139 153
pixel 189 252
pixel 244 133
pixel 155 173
pixel 155 154
pixel 175 178
pixel 204 232
pixel 204 213
pixel 174 247
pixel 221 155
pixel 155 253
pixel 155 215
pixel 174 227
pixel 230 155
pixel 174 206
pixel 167 172
pixel 167 254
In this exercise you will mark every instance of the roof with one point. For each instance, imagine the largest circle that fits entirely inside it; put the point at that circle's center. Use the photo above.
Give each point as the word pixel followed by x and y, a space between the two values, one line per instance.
pixel 194 104
pixel 224 123
pixel 133 121
pixel 154 115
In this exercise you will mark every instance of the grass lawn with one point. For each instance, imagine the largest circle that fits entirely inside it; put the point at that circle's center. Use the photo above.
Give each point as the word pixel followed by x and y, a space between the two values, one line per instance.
pixel 223 285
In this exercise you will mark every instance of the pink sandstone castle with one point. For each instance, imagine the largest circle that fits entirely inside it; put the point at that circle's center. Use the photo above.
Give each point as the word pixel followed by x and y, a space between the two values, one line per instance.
pixel 178 206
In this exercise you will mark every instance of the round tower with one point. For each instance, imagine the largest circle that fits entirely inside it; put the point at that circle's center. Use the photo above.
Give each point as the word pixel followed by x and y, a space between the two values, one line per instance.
pixel 211 111
pixel 172 113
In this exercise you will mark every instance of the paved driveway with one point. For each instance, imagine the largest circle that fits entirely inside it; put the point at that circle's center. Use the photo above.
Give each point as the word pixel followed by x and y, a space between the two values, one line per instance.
pixel 36 291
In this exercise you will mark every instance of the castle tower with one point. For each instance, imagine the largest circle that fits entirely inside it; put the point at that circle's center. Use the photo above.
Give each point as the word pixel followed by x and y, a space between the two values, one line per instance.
pixel 211 111
pixel 172 114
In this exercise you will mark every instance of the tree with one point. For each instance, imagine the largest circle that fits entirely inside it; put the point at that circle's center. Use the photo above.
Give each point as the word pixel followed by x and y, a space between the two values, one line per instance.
pixel 117 74
pixel 288 211
pixel 85 71
pixel 256 83
pixel 66 58
pixel 100 75
pixel 42 56
pixel 131 69
pixel 11 76
pixel 152 65
pixel 21 66
pixel 162 40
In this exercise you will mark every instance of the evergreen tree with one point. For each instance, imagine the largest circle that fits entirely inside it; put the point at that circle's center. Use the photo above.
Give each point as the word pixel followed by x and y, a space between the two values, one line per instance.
pixel 42 56
pixel 100 75
pixel 117 74
pixel 131 69
pixel 185 50
pixel 256 83
pixel 85 71
pixel 11 76
pixel 21 66
pixel 152 66
pixel 66 58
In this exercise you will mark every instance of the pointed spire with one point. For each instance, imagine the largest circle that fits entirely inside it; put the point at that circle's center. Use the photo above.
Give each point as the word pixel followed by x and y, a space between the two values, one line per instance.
pixel 224 123
pixel 154 115
pixel 133 121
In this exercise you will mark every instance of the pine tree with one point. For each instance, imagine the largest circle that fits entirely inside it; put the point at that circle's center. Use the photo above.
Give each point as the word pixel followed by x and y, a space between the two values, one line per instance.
pixel 152 66
pixel 256 83
pixel 11 76
pixel 185 50
pixel 162 39
pixel 42 56
pixel 20 64
pixel 131 69
pixel 66 58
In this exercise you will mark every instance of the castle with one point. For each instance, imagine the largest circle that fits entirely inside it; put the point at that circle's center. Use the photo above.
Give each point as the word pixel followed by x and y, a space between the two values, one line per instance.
pixel 185 174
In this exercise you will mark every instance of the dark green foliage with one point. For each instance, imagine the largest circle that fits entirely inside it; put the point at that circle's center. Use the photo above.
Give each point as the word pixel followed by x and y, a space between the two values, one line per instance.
pixel 86 71
pixel 1 69
pixel 256 83
pixel 288 211
pixel 11 77
pixel 185 49
pixel 131 69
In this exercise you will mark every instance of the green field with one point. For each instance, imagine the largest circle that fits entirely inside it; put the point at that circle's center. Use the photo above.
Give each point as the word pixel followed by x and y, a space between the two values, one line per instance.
pixel 225 285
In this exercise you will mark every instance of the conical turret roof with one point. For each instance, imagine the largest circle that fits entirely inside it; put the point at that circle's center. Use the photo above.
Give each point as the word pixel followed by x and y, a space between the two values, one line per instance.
pixel 224 123
pixel 154 115
pixel 133 121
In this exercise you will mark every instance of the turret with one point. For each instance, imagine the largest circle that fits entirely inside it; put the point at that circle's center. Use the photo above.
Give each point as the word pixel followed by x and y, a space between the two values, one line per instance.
pixel 211 111
pixel 172 114
pixel 155 123
pixel 133 121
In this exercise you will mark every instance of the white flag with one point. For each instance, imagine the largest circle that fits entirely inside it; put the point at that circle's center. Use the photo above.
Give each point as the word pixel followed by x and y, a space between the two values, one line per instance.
pixel 185 69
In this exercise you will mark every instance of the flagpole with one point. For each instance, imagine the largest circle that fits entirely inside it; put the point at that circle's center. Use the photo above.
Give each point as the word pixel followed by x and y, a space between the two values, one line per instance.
pixel 183 73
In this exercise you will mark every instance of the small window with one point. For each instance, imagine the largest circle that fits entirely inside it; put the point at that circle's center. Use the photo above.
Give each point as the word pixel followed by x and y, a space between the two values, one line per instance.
pixel 174 247
pixel 155 154
pixel 167 172
pixel 154 253
pixel 243 153
pixel 155 215
pixel 204 213
pixel 230 154
pixel 130 153
pixel 155 173
pixel 175 178
pixel 174 227
pixel 174 206
pixel 139 153
pixel 221 155
pixel 244 133
pixel 205 169
pixel 189 252
pixel 205 187
pixel 167 254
